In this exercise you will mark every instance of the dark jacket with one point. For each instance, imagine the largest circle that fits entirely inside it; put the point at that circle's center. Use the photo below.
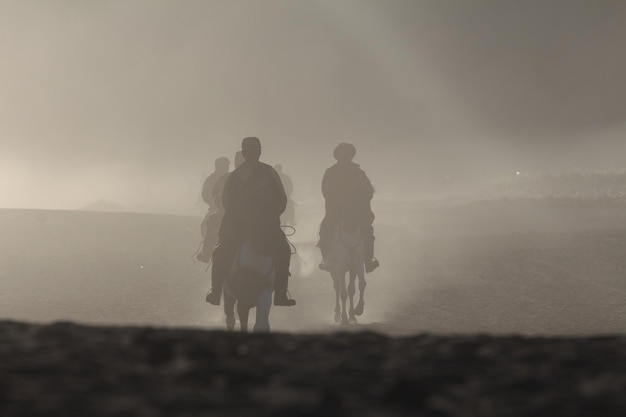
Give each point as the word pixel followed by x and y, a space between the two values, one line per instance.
pixel 347 190
pixel 253 199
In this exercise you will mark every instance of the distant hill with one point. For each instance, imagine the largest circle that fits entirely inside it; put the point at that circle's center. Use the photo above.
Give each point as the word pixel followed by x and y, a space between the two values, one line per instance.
pixel 103 205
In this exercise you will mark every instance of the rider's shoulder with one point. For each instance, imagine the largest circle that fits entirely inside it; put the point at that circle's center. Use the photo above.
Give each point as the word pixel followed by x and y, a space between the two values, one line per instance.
pixel 267 167
pixel 264 169
pixel 345 167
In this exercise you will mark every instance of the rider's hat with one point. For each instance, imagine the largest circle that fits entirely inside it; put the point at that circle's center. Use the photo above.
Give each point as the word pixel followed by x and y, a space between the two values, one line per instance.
pixel 344 152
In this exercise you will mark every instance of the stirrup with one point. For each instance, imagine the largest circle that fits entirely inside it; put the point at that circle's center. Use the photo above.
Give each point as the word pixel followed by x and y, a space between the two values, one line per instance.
pixel 284 300
pixel 213 297
pixel 371 265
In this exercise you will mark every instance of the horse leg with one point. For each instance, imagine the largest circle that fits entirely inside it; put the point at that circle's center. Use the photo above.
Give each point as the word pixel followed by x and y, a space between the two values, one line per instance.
pixel 229 310
pixel 243 317
pixel 344 297
pixel 351 291
pixel 362 284
pixel 337 293
pixel 262 324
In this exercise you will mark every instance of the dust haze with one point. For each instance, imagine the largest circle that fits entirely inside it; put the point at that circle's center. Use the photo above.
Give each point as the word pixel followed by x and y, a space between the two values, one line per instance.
pixel 124 106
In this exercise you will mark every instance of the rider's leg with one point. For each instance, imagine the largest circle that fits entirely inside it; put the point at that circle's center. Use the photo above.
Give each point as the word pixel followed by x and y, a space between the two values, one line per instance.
pixel 325 234
pixel 222 259
pixel 371 262
pixel 281 259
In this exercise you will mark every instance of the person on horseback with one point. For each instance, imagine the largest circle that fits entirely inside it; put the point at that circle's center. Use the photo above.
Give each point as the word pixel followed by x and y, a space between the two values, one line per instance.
pixel 222 165
pixel 212 196
pixel 213 219
pixel 218 187
pixel 347 192
pixel 253 200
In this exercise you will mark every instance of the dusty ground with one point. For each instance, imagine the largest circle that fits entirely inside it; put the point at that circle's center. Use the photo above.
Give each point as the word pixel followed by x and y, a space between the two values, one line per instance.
pixel 494 268
pixel 69 370
pixel 502 308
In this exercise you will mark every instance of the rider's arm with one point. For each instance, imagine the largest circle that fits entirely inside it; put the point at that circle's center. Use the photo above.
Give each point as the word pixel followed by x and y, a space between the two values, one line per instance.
pixel 326 185
pixel 228 193
pixel 206 190
pixel 281 196
pixel 368 188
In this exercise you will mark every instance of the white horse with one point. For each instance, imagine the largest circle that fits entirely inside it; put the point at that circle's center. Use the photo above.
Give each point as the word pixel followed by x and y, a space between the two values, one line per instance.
pixel 347 255
pixel 250 283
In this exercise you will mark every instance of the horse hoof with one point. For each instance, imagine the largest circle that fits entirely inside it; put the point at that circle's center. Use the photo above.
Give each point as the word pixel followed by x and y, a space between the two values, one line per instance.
pixel 359 309
pixel 352 320
pixel 344 320
pixel 337 318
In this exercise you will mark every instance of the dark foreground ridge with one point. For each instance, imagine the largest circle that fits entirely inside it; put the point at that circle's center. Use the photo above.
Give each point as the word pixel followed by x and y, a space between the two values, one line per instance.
pixel 65 369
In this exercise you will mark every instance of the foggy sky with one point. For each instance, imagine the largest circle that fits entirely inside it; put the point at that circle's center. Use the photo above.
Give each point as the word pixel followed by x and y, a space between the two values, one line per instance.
pixel 131 101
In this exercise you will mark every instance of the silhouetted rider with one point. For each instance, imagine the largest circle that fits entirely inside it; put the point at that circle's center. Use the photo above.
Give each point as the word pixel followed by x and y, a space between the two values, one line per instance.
pixel 347 192
pixel 213 217
pixel 218 187
pixel 253 199
pixel 212 192
pixel 208 188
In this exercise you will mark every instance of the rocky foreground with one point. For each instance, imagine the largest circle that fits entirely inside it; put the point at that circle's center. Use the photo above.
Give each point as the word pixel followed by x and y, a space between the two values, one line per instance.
pixel 65 369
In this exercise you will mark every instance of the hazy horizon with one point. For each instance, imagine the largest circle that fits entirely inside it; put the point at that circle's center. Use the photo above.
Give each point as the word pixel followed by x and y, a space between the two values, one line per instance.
pixel 131 102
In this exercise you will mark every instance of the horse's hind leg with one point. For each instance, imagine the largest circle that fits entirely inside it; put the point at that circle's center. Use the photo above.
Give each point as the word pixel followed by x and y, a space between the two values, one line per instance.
pixel 362 284
pixel 337 292
pixel 344 297
pixel 262 324
pixel 351 291
pixel 229 310
pixel 243 317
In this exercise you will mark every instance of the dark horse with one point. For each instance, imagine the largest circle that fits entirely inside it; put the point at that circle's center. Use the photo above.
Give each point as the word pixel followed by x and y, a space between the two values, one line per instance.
pixel 250 283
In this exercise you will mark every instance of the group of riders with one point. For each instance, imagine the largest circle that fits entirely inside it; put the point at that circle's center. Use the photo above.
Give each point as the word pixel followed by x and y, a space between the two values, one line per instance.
pixel 247 204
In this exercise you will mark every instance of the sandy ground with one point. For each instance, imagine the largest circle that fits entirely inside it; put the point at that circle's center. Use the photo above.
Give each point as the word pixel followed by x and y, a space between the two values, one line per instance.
pixel 494 267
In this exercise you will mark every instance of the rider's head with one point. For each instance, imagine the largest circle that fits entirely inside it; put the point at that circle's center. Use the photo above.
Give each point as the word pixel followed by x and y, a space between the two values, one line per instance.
pixel 344 152
pixel 238 159
pixel 251 148
pixel 221 164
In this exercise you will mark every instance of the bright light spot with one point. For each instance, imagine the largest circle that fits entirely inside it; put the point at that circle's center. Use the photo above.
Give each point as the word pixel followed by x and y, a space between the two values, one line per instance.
pixel 517 173
pixel 141 266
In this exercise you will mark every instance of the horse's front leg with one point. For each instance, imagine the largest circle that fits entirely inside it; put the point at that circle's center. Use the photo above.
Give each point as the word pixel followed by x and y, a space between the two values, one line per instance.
pixel 351 291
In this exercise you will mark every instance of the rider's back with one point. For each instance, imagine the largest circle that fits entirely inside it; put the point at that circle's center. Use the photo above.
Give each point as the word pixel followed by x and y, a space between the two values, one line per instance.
pixel 346 188
pixel 254 198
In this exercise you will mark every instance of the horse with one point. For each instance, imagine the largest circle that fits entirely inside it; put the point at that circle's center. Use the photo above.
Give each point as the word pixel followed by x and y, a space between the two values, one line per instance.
pixel 250 283
pixel 347 256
